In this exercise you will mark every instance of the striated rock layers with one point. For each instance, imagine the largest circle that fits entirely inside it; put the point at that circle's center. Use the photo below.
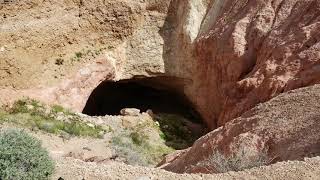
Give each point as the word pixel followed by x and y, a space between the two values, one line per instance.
pixel 284 128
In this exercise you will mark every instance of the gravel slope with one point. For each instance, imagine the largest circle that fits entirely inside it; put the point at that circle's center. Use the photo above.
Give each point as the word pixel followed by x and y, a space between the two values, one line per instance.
pixel 76 169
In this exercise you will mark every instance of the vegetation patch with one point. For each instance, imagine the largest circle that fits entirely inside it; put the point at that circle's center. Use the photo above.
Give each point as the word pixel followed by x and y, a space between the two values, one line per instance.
pixel 59 61
pixel 175 132
pixel 147 142
pixel 52 119
pixel 239 161
pixel 87 53
pixel 22 157
pixel 139 140
pixel 141 144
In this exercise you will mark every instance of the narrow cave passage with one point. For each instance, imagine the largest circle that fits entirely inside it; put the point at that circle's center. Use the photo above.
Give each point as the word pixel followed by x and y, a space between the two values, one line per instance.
pixel 110 97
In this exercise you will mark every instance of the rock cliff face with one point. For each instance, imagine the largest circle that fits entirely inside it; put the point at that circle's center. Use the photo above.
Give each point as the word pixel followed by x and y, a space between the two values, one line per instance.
pixel 59 51
pixel 53 39
pixel 241 53
pixel 227 55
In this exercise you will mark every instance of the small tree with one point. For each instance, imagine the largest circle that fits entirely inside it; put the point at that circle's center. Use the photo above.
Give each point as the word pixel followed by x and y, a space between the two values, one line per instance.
pixel 22 157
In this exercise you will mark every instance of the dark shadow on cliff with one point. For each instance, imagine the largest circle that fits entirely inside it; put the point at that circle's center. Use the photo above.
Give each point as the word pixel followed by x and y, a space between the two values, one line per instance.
pixel 169 36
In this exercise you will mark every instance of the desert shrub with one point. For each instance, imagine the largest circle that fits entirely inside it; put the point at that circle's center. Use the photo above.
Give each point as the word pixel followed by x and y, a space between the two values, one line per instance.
pixel 140 145
pixel 56 119
pixel 149 140
pixel 25 106
pixel 128 151
pixel 79 55
pixel 86 54
pixel 144 153
pixel 234 162
pixel 59 61
pixel 22 157
pixel 58 108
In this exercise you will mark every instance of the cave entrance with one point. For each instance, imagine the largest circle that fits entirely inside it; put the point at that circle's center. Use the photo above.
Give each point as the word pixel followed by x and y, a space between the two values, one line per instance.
pixel 178 119
pixel 144 94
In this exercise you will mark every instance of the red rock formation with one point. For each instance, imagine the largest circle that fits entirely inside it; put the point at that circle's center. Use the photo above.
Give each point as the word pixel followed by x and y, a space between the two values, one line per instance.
pixel 284 128
pixel 250 51
pixel 246 53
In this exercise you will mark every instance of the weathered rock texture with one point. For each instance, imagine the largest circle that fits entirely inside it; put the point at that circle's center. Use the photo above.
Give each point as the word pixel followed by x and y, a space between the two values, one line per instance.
pixel 284 128
pixel 247 52
pixel 42 43
pixel 72 93
pixel 59 51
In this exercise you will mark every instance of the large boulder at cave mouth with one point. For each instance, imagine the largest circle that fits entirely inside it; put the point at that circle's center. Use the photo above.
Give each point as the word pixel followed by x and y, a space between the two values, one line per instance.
pixel 284 128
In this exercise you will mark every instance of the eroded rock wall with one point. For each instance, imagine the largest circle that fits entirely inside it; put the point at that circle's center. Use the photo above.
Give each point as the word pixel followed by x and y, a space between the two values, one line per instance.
pixel 246 52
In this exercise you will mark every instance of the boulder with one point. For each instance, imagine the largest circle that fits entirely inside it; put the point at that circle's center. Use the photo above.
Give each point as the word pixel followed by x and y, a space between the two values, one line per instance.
pixel 130 112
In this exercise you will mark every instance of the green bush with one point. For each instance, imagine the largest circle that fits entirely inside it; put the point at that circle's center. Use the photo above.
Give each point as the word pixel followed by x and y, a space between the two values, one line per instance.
pixel 22 157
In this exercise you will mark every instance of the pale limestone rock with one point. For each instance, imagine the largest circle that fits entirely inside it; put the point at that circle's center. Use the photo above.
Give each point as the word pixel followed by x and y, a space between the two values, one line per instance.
pixel 130 112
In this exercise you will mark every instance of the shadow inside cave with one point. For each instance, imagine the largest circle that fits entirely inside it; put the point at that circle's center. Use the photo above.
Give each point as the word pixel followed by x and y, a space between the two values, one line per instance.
pixel 110 97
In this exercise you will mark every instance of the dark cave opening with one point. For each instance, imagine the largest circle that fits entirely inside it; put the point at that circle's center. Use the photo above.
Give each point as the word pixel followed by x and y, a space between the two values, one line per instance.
pixel 144 94
pixel 179 122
